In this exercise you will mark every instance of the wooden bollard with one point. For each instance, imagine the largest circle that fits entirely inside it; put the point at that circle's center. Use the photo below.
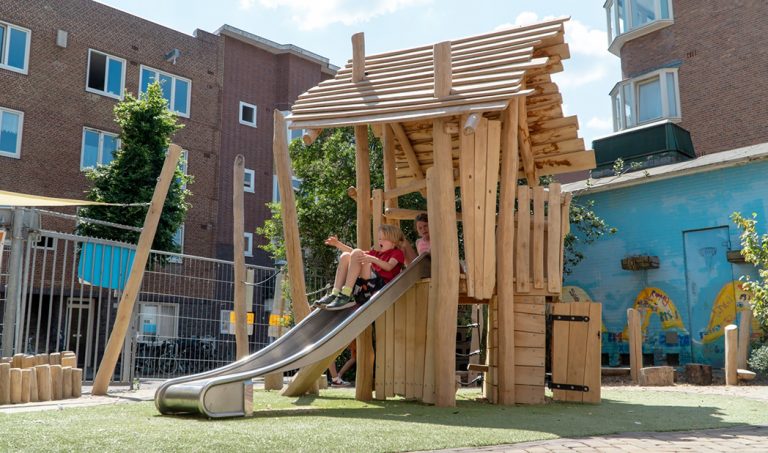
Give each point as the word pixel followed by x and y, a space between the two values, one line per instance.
pixel 33 391
pixel 7 360
pixel 18 359
pixel 273 381
pixel 731 353
pixel 41 359
pixel 26 384
pixel 77 382
pixel 5 383
pixel 15 385
pixel 69 359
pixel 635 343
pixel 66 377
pixel 57 382
pixel 745 330
pixel 54 358
pixel 28 361
pixel 43 382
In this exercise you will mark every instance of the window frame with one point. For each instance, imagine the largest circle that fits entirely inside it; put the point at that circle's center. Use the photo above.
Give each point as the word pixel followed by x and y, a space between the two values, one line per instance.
pixel 19 133
pixel 617 38
pixel 250 188
pixel 106 81
pixel 255 114
pixel 175 316
pixel 248 249
pixel 175 77
pixel 5 48
pixel 617 94
pixel 100 154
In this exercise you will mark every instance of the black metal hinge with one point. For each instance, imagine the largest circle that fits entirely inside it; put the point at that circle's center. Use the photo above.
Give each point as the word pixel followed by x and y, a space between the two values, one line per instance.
pixel 573 387
pixel 569 318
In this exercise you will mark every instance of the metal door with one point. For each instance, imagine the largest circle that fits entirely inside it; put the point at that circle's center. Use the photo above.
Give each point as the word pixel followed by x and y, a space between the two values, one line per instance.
pixel 708 273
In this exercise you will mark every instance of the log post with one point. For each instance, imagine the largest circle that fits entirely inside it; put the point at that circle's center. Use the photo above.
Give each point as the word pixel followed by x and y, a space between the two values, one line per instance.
pixel 358 57
pixel 28 361
pixel 5 383
pixel 66 378
pixel 365 358
pixel 57 382
pixel 310 135
pixel 635 343
pixel 506 256
pixel 43 382
pixel 132 286
pixel 524 138
pixel 445 250
pixel 54 358
pixel 238 246
pixel 390 172
pixel 745 331
pixel 33 391
pixel 473 119
pixel 77 382
pixel 290 219
pixel 731 350
pixel 443 69
pixel 26 384
pixel 15 385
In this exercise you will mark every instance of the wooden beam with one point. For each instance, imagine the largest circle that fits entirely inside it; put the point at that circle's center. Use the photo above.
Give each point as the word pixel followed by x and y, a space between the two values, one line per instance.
pixel 310 135
pixel 524 141
pixel 445 250
pixel 390 170
pixel 132 286
pixel 238 261
pixel 470 124
pixel 505 267
pixel 365 358
pixel 443 68
pixel 358 57
pixel 410 154
pixel 415 186
pixel 352 192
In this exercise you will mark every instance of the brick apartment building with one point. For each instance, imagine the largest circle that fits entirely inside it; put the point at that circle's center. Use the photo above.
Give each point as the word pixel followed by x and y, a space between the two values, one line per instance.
pixel 65 64
pixel 691 79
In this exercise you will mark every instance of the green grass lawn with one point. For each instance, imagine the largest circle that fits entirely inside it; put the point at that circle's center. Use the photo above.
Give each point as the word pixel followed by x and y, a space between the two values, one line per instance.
pixel 336 422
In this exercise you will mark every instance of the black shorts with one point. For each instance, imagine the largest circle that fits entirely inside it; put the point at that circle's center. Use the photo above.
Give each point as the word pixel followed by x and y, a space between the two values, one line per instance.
pixel 365 288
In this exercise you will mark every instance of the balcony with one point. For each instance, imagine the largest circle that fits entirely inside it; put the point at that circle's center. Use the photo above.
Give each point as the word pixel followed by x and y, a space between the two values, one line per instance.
pixel 653 145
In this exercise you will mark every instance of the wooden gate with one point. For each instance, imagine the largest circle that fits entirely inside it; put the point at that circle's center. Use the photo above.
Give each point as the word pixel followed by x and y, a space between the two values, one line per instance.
pixel 575 353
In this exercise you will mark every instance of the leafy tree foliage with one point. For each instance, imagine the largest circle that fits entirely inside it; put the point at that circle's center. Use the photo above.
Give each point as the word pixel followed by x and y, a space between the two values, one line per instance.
pixel 755 251
pixel 146 130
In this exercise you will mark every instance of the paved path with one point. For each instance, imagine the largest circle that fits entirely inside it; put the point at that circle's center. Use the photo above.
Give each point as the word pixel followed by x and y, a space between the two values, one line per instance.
pixel 739 439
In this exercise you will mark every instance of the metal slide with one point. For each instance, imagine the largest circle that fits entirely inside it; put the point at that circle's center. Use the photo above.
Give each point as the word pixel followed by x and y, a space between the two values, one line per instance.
pixel 222 392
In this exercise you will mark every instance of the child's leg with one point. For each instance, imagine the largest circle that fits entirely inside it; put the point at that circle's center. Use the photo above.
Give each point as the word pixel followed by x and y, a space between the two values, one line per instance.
pixel 352 359
pixel 357 268
pixel 341 271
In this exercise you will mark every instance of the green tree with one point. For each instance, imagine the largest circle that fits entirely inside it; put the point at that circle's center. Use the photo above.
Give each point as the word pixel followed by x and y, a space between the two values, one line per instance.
pixel 755 251
pixel 130 178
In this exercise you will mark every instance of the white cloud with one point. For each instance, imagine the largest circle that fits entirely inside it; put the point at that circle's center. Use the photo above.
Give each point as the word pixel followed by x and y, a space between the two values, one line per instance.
pixel 571 79
pixel 318 14
pixel 601 124
pixel 580 38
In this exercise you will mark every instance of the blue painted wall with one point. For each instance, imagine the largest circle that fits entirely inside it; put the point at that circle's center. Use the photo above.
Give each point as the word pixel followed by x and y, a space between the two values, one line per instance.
pixel 685 221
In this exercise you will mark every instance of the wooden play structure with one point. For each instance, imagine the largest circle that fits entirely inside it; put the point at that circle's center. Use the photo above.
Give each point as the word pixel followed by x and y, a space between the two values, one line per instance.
pixel 480 114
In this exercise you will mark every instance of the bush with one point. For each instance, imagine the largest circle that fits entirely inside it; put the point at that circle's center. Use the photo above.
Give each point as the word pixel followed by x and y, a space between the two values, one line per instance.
pixel 758 361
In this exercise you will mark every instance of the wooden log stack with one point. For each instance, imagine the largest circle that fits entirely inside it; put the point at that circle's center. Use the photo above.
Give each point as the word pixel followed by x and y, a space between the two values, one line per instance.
pixel 41 377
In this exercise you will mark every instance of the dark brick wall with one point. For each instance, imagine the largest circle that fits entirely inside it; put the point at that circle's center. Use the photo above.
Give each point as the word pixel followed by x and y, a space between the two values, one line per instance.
pixel 56 106
pixel 722 48
pixel 270 82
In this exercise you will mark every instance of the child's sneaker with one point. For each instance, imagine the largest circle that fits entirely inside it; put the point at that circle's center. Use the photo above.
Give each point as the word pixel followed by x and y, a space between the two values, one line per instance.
pixel 338 382
pixel 340 303
pixel 325 300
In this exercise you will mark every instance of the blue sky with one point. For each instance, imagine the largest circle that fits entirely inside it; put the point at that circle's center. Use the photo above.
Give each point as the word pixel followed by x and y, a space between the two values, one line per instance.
pixel 325 27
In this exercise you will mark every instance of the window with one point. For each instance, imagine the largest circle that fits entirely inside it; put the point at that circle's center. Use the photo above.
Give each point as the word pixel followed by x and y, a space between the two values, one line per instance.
pixel 248 244
pixel 158 321
pixel 628 19
pixel 11 124
pixel 14 47
pixel 249 183
pixel 176 90
pixel 98 148
pixel 105 74
pixel 646 99
pixel 296 182
pixel 247 114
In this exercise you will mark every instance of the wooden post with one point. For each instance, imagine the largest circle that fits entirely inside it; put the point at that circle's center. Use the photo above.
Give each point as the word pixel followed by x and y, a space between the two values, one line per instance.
pixel 506 257
pixel 26 384
pixel 77 382
pixel 445 249
pixel 66 378
pixel 731 351
pixel 238 246
pixel 5 383
pixel 745 328
pixel 443 69
pixel 428 389
pixel 43 382
pixel 290 219
pixel 132 286
pixel 33 391
pixel 57 382
pixel 310 135
pixel 18 359
pixel 41 359
pixel 390 172
pixel 470 124
pixel 15 385
pixel 365 358
pixel 54 358
pixel 28 361
pixel 635 343
pixel 524 138
pixel 358 58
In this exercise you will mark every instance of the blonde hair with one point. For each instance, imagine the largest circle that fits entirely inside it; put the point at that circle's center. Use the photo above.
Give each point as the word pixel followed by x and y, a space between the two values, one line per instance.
pixel 393 234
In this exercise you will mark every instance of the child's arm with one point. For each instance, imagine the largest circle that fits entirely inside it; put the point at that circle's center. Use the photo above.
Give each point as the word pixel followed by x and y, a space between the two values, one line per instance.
pixel 333 241
pixel 386 265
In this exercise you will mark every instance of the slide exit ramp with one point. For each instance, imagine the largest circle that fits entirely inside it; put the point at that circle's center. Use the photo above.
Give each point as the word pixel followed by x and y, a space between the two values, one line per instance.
pixel 227 391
